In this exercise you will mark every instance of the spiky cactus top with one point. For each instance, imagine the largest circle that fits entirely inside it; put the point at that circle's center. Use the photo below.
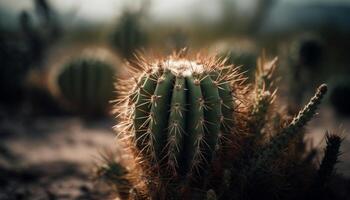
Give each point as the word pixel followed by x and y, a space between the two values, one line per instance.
pixel 195 130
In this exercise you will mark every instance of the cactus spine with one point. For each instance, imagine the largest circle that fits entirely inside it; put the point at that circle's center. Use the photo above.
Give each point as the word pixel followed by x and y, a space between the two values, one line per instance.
pixel 178 109
pixel 196 130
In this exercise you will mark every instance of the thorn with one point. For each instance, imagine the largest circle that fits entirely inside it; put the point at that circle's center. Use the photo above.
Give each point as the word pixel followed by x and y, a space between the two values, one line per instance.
pixel 220 134
pixel 197 82
pixel 222 118
pixel 149 71
pixel 161 79
pixel 215 83
pixel 178 87
pixel 154 99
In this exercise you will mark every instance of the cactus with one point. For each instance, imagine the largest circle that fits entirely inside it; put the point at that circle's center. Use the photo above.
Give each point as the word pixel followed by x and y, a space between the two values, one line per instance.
pixel 114 173
pixel 128 35
pixel 194 129
pixel 13 69
pixel 309 52
pixel 304 66
pixel 245 58
pixel 39 37
pixel 242 53
pixel 330 159
pixel 85 84
pixel 24 50
pixel 340 96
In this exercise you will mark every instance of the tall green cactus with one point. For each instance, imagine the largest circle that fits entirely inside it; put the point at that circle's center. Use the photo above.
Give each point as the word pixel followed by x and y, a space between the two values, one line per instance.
pixel 86 84
pixel 128 35
pixel 196 130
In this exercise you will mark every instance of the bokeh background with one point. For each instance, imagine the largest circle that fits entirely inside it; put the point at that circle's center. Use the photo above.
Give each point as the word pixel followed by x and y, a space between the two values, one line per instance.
pixel 59 60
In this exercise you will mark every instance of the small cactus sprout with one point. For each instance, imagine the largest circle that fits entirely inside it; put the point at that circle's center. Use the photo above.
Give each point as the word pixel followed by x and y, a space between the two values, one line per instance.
pixel 85 84
pixel 327 167
pixel 194 129
pixel 331 154
pixel 114 173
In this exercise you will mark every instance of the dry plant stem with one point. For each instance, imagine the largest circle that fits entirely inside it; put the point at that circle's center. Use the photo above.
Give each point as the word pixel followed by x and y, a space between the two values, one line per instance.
pixel 280 141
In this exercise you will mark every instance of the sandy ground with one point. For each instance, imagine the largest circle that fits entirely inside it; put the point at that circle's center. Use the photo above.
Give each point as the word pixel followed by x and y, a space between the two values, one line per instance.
pixel 53 158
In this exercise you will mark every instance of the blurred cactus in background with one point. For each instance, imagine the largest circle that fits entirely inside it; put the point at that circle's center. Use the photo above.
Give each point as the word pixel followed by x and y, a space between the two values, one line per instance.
pixel 262 10
pixel 243 54
pixel 310 52
pixel 193 128
pixel 21 52
pixel 303 58
pixel 340 96
pixel 13 69
pixel 39 37
pixel 307 51
pixel 129 35
pixel 177 40
pixel 85 84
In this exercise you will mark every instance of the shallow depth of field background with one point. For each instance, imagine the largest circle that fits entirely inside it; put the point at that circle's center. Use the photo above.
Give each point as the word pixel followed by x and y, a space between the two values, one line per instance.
pixel 49 145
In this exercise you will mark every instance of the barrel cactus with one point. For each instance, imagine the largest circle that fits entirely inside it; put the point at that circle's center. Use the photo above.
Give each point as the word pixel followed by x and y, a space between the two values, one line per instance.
pixel 85 84
pixel 194 129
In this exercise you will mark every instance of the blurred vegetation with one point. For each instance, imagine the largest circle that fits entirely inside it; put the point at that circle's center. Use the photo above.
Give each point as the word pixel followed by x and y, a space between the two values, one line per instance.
pixel 128 35
pixel 340 95
pixel 25 50
pixel 312 52
pixel 239 53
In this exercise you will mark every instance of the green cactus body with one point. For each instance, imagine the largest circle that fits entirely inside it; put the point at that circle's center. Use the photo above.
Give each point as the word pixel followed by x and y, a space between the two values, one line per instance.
pixel 86 84
pixel 179 114
pixel 227 106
